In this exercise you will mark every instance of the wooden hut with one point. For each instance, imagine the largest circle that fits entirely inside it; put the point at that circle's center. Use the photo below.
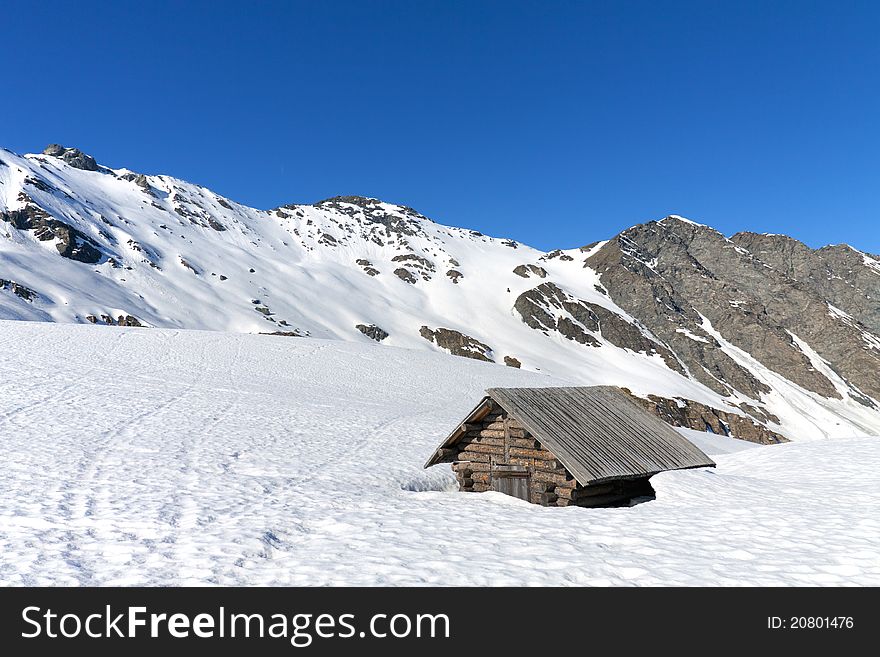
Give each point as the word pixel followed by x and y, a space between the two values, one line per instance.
pixel 564 447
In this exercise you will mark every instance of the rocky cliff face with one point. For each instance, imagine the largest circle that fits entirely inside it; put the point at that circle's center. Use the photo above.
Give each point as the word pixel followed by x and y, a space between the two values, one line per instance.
pixel 755 336
pixel 675 275
pixel 843 276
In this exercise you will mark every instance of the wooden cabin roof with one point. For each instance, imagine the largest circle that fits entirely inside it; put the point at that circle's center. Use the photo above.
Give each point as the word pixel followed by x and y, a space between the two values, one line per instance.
pixel 598 433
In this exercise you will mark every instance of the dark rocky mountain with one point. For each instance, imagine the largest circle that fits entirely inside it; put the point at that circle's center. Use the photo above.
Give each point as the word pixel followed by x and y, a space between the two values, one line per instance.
pixel 675 275
pixel 845 277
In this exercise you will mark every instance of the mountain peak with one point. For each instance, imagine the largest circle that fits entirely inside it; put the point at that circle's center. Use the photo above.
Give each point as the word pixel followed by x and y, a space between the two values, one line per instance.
pixel 371 205
pixel 72 156
pixel 360 201
pixel 675 217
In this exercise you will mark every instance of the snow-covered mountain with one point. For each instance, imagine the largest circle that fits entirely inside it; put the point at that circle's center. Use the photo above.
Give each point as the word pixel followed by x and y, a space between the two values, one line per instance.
pixel 757 336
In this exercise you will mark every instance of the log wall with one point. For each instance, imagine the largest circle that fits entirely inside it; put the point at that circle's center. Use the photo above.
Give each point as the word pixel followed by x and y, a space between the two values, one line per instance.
pixel 483 448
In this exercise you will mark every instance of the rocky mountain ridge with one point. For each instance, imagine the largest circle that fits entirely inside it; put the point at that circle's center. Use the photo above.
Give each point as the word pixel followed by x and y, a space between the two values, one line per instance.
pixel 756 336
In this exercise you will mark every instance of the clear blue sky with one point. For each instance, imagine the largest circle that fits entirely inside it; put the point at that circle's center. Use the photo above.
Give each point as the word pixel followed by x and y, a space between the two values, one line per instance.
pixel 556 123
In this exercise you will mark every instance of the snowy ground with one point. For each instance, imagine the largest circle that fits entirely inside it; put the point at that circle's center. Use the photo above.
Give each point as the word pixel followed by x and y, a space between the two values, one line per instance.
pixel 142 456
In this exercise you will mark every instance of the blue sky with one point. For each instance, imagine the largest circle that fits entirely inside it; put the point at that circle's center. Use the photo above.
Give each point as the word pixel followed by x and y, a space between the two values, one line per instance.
pixel 556 123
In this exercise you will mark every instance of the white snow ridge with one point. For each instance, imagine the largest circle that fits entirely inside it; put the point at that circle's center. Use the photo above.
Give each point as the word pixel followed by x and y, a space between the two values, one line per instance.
pixel 165 457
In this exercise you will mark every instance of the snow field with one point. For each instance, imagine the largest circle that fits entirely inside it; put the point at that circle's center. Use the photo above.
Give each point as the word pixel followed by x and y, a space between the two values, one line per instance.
pixel 162 457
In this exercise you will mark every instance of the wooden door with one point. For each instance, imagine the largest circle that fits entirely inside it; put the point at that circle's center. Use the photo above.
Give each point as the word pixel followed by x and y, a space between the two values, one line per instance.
pixel 509 479
pixel 511 482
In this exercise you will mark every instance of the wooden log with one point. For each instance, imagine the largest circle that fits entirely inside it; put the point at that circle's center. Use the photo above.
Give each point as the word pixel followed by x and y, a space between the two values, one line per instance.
pixel 472 466
pixel 492 433
pixel 535 464
pixel 497 425
pixel 482 440
pixel 444 453
pixel 479 448
pixel 564 492
pixel 539 463
pixel 543 487
pixel 544 499
pixel 560 477
pixel 481 477
pixel 473 457
pixel 480 487
pixel 526 443
pixel 554 477
pixel 532 453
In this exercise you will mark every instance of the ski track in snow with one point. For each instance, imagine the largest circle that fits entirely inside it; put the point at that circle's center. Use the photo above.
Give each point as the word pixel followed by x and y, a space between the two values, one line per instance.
pixel 159 457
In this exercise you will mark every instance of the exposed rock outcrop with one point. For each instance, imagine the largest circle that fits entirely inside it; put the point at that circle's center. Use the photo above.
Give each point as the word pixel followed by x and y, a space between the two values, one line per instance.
pixel 694 415
pixel 39 183
pixel 186 263
pixel 558 253
pixel 526 270
pixel 71 244
pixel 72 156
pixel 372 331
pixel 128 320
pixel 377 212
pixel 548 308
pixel 121 320
pixel 405 275
pixel 367 266
pixel 18 290
pixel 457 343
pixel 140 180
pixel 416 263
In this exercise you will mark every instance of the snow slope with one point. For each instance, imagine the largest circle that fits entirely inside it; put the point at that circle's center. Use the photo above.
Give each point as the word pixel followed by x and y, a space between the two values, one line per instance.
pixel 308 283
pixel 173 254
pixel 168 457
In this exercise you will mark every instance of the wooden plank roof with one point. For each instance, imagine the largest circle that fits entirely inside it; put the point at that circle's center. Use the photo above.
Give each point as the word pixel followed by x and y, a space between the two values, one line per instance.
pixel 598 433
